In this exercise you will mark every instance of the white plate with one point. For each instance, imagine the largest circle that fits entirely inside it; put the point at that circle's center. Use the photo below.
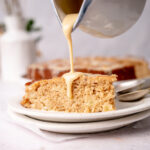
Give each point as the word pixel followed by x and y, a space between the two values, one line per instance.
pixel 123 109
pixel 22 81
pixel 89 127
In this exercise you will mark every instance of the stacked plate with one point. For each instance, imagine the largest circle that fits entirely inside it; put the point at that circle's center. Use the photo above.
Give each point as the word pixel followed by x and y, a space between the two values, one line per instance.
pixel 126 113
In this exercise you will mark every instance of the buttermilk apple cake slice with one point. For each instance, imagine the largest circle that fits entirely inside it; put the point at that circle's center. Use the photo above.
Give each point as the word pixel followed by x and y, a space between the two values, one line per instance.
pixel 90 94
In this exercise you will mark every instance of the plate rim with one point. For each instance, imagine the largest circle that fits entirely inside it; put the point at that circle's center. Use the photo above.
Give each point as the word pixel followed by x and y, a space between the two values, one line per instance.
pixel 14 104
pixel 67 127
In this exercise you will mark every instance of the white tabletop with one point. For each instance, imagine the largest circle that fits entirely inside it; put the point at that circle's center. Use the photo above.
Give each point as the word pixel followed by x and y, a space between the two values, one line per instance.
pixel 15 137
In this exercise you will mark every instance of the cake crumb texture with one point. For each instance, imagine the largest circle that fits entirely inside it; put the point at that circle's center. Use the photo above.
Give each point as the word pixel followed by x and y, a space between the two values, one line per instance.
pixel 90 94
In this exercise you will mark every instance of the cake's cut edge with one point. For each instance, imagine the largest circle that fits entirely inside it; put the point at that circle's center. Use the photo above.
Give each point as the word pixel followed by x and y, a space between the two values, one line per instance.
pixel 90 94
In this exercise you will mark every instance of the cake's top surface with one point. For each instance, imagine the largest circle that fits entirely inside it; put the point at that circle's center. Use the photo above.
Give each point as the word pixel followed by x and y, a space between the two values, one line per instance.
pixel 91 78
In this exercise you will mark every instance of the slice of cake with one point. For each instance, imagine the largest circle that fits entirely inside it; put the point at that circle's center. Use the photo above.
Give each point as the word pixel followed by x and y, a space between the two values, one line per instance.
pixel 124 68
pixel 90 94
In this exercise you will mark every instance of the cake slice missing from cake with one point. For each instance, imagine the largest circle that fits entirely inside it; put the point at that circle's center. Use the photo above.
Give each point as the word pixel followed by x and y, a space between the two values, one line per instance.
pixel 90 94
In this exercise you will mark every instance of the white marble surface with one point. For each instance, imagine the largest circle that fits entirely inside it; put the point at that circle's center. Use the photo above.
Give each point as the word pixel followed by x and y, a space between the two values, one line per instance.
pixel 15 137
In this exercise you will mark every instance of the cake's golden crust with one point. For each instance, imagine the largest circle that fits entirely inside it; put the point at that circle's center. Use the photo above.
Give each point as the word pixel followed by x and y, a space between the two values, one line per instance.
pixel 124 68
pixel 90 94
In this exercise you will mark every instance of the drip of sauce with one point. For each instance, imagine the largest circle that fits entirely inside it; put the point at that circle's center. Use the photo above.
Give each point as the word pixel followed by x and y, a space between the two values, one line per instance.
pixel 67 24
pixel 69 78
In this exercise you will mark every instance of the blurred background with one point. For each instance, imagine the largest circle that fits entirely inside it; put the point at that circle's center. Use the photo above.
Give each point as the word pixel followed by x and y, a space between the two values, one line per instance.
pixel 53 44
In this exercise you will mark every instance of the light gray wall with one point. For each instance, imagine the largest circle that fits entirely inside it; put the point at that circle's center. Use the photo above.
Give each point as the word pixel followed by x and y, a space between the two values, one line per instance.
pixel 53 45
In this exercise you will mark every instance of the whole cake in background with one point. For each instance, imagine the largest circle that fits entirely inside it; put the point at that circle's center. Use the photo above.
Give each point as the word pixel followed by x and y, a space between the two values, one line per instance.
pixel 124 68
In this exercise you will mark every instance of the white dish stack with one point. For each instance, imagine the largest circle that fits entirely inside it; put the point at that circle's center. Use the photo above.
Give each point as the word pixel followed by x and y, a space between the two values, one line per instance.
pixel 48 124
pixel 63 122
